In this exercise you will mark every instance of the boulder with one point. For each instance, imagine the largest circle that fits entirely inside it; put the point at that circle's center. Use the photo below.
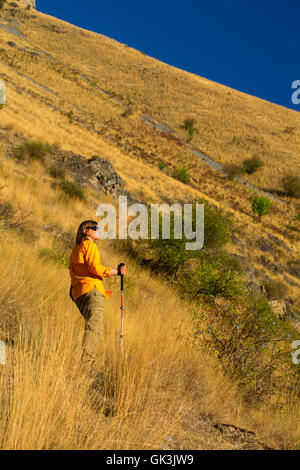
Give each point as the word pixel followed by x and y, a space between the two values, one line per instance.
pixel 96 172
pixel 2 93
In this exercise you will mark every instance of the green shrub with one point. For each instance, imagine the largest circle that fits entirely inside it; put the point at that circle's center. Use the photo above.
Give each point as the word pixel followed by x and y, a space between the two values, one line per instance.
pixel 57 172
pixel 261 206
pixel 14 4
pixel 32 150
pixel 170 256
pixel 252 344
pixel 217 226
pixel 298 216
pixel 232 170
pixel 162 165
pixel 2 2
pixel 72 190
pixel 251 165
pixel 291 186
pixel 70 116
pixel 275 290
pixel 189 124
pixel 182 174
pixel 210 280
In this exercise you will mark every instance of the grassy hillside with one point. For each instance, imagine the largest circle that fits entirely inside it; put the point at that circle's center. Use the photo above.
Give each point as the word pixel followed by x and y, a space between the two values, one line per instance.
pixel 88 93
pixel 168 393
pixel 84 92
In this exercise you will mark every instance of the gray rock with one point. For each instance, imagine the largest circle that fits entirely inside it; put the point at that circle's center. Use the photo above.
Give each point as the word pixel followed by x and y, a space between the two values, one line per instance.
pixel 12 44
pixel 12 28
pixel 96 172
pixel 160 126
pixel 2 93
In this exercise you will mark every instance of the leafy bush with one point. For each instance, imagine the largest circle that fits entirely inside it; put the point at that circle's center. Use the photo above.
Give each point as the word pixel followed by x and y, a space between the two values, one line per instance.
pixel 210 279
pixel 251 165
pixel 170 256
pixel 72 190
pixel 2 2
pixel 57 172
pixel 275 290
pixel 189 127
pixel 291 186
pixel 252 344
pixel 261 206
pixel 70 116
pixel 217 226
pixel 14 4
pixel 232 170
pixel 298 216
pixel 162 165
pixel 182 174
pixel 33 150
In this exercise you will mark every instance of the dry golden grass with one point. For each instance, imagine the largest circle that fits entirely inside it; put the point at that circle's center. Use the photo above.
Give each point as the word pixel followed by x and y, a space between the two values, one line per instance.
pixel 169 94
pixel 165 387
pixel 162 393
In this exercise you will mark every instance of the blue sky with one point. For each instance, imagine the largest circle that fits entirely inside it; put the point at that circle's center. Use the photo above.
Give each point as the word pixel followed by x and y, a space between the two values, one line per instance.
pixel 252 46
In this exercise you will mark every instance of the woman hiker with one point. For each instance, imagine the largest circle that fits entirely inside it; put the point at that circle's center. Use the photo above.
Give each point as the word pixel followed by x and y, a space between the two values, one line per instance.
pixel 87 290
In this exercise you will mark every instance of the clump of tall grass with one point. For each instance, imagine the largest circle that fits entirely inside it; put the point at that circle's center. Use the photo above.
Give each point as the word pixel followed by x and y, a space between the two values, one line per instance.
pixel 57 172
pixel 31 150
pixel 72 190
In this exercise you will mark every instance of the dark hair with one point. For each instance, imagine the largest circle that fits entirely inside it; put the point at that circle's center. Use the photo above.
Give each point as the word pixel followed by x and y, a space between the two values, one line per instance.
pixel 84 225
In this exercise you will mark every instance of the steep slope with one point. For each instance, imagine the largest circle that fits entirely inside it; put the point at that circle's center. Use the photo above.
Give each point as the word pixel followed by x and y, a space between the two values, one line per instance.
pixel 91 94
pixel 84 92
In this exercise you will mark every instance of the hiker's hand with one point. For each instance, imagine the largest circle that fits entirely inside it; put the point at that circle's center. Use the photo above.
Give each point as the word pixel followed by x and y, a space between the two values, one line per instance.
pixel 115 272
pixel 123 270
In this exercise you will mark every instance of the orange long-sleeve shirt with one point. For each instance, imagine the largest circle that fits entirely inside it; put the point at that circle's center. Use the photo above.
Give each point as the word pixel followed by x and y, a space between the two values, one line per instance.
pixel 86 270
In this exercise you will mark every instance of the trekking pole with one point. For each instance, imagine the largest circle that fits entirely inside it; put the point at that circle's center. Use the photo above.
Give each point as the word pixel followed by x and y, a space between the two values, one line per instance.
pixel 122 307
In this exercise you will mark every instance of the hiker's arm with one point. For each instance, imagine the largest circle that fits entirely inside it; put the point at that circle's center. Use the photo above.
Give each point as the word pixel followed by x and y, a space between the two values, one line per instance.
pixel 92 260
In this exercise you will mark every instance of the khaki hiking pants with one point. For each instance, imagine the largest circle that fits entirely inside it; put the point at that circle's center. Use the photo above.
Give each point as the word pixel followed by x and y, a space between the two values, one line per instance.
pixel 91 306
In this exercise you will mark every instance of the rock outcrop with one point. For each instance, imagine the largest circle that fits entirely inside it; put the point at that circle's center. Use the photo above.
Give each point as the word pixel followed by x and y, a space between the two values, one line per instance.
pixel 26 3
pixel 96 172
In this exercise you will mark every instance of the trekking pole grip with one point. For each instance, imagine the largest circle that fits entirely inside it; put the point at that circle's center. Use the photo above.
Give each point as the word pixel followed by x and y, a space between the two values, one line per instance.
pixel 119 274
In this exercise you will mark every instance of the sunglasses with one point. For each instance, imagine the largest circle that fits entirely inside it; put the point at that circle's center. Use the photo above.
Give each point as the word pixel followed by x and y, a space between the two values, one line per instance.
pixel 93 227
